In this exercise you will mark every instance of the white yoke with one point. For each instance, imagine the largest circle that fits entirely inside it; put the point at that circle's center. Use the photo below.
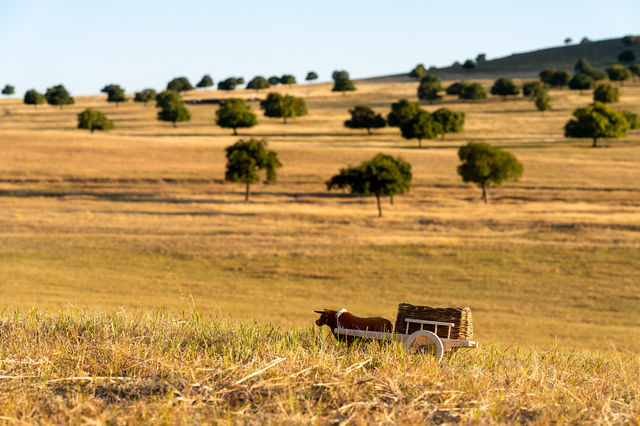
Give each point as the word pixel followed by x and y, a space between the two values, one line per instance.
pixel 340 312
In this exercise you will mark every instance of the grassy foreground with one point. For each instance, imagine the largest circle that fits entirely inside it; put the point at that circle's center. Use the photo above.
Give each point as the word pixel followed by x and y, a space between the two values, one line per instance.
pixel 84 367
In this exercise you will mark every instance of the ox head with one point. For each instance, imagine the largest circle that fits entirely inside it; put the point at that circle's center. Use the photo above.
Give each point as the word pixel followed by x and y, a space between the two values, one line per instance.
pixel 326 317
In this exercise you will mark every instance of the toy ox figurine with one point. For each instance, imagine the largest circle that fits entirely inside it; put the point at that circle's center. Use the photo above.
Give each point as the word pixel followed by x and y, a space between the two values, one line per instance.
pixel 344 320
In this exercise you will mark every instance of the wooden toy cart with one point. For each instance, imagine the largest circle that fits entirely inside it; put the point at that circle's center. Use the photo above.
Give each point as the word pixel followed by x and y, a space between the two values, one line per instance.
pixel 411 331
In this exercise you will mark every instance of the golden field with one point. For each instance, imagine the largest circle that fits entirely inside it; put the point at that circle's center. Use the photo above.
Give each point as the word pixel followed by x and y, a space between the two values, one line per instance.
pixel 140 218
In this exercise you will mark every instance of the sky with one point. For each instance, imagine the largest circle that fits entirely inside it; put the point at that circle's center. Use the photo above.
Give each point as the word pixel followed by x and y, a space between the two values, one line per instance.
pixel 139 43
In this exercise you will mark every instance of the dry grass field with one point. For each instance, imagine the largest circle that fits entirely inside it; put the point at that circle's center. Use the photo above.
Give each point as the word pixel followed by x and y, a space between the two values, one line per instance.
pixel 139 219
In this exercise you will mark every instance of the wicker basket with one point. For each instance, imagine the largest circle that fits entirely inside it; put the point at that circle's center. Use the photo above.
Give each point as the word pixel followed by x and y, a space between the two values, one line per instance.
pixel 461 317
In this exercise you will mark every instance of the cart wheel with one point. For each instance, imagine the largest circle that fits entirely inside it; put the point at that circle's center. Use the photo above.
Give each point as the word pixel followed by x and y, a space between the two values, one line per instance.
pixel 425 341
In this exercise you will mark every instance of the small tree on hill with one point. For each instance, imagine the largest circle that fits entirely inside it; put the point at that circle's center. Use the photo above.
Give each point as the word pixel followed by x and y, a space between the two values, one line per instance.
pixel 486 165
pixel 258 83
pixel 619 73
pixel 179 84
pixel 627 56
pixel 311 75
pixel 246 158
pixel 32 97
pixel 228 84
pixel 234 114
pixel 629 40
pixel 8 90
pixel 469 64
pixel 274 80
pixel 428 90
pixel 584 67
pixel 288 79
pixel 342 82
pixel 283 107
pixel 431 78
pixel 581 82
pixel 533 88
pixel 635 70
pixel 205 81
pixel 363 117
pixel 450 121
pixel 381 176
pixel 560 78
pixel 504 87
pixel 172 107
pixel 595 121
pixel 145 96
pixel 115 93
pixel 58 95
pixel 418 71
pixel 473 91
pixel 482 57
pixel 456 88
pixel 402 111
pixel 568 40
pixel 93 120
pixel 606 93
pixel 543 102
pixel 421 126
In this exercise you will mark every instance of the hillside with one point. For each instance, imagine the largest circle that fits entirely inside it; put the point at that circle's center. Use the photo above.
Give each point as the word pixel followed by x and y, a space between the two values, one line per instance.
pixel 600 54
pixel 124 368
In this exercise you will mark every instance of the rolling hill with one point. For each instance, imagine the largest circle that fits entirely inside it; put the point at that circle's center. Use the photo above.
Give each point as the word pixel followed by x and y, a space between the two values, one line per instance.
pixel 600 54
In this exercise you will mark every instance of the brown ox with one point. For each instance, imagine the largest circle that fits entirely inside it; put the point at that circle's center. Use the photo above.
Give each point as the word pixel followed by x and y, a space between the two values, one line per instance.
pixel 330 318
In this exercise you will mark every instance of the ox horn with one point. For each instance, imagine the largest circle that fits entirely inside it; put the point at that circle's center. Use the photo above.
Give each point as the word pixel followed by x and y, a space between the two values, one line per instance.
pixel 319 312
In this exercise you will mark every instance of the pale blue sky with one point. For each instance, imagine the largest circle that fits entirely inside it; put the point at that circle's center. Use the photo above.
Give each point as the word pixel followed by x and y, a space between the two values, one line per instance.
pixel 138 44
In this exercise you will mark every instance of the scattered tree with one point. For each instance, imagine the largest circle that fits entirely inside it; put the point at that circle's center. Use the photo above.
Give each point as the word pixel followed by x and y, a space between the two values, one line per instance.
pixel 258 82
pixel 115 93
pixel 342 82
pixel 473 91
pixel 58 95
pixel 274 80
pixel 311 75
pixel 206 81
pixel 145 96
pixel 363 117
pixel 618 73
pixel 568 40
pixel 533 88
pixel 504 87
pixel 428 90
pixel 450 121
pixel 632 119
pixel 629 40
pixel 421 126
pixel 32 97
pixel 8 90
pixel 179 84
pixel 456 88
pixel 482 57
pixel 235 113
pixel 431 78
pixel 418 71
pixel 555 78
pixel 486 165
pixel 585 40
pixel 283 107
pixel 239 81
pixel 581 82
pixel 606 93
pixel 543 102
pixel 627 56
pixel 635 70
pixel 469 64
pixel 288 79
pixel 246 158
pixel 380 176
pixel 228 84
pixel 172 107
pixel 93 120
pixel 595 121
pixel 402 111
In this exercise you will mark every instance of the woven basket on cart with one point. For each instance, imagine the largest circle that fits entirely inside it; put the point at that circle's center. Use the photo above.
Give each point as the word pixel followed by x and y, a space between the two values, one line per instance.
pixel 461 317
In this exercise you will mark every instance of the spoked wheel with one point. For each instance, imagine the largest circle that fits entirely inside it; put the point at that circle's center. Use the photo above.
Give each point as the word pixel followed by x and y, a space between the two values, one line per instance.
pixel 426 342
